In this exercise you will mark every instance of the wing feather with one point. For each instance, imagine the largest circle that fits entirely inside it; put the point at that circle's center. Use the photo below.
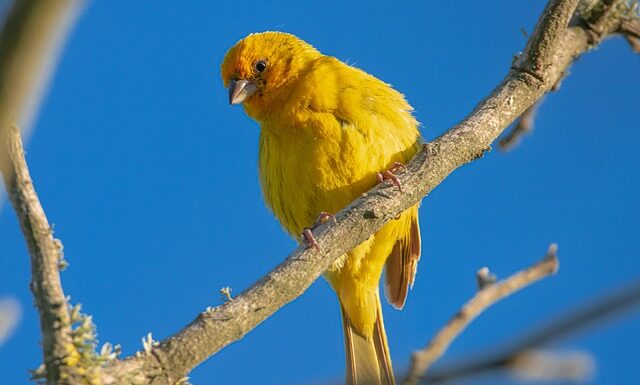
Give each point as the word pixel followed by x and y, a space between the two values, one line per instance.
pixel 401 266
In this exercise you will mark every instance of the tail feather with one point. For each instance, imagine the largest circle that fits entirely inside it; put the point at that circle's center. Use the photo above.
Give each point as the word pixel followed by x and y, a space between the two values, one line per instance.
pixel 382 349
pixel 368 358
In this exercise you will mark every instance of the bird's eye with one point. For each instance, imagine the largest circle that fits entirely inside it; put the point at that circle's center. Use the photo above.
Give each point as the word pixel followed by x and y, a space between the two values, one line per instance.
pixel 261 65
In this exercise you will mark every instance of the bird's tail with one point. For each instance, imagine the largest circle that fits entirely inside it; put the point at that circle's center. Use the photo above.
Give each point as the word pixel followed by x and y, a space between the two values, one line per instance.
pixel 368 358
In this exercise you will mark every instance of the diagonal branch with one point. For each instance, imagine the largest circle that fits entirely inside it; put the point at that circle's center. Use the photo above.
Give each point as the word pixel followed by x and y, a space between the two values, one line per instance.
pixel 551 49
pixel 630 29
pixel 523 127
pixel 599 22
pixel 569 323
pixel 45 253
pixel 599 18
pixel 422 360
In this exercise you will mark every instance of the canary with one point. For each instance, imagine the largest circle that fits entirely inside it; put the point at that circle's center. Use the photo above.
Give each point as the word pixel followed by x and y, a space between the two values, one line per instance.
pixel 328 131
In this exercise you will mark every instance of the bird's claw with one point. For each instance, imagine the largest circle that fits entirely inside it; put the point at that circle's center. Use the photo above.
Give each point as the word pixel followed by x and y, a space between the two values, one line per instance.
pixel 390 174
pixel 307 233
pixel 309 239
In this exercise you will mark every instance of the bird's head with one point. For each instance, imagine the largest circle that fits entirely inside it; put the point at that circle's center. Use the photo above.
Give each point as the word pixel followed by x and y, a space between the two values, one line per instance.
pixel 259 69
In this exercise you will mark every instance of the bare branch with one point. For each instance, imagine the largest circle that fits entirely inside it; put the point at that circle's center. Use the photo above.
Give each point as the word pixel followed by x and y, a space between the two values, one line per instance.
pixel 630 29
pixel 599 19
pixel 543 365
pixel 634 42
pixel 551 49
pixel 523 127
pixel 567 324
pixel 422 360
pixel 546 39
pixel 45 253
pixel 29 43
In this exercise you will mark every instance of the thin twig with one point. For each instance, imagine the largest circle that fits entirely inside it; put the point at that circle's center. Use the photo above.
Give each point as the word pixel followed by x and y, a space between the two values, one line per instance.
pixel 551 49
pixel 634 43
pixel 604 16
pixel 567 324
pixel 630 29
pixel 45 253
pixel 548 365
pixel 523 127
pixel 422 360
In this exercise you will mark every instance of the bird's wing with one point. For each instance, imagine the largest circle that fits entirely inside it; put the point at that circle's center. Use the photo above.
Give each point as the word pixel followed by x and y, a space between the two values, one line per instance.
pixel 400 268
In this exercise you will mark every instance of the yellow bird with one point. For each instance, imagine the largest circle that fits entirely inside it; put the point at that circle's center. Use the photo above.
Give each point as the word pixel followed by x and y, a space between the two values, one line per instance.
pixel 330 132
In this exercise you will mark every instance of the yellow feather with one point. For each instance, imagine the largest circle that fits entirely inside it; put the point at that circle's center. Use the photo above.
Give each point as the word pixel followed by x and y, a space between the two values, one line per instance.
pixel 327 129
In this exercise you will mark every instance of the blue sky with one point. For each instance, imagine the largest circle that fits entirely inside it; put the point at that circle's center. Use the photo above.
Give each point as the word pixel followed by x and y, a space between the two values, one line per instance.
pixel 150 178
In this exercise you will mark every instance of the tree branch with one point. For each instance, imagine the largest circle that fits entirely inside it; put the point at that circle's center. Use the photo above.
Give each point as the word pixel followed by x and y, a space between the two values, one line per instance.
pixel 45 253
pixel 422 360
pixel 599 18
pixel 523 127
pixel 630 29
pixel 621 16
pixel 630 26
pixel 569 323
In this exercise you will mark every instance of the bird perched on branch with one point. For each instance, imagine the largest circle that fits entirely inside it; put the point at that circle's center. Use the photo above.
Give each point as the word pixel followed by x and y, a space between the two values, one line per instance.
pixel 330 132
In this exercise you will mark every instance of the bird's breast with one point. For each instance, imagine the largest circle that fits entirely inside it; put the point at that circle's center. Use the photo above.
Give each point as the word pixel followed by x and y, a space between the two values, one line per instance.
pixel 303 174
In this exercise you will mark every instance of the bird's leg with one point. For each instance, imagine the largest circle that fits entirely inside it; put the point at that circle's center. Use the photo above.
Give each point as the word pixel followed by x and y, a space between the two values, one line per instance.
pixel 307 234
pixel 309 239
pixel 390 174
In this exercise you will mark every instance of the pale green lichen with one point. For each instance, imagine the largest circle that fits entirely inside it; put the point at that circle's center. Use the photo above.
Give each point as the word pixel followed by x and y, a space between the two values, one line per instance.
pixel 588 8
pixel 81 363
pixel 148 343
pixel 226 294
pixel 62 263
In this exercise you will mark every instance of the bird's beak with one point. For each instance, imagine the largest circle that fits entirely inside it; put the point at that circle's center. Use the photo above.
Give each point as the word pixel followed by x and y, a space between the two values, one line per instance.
pixel 240 90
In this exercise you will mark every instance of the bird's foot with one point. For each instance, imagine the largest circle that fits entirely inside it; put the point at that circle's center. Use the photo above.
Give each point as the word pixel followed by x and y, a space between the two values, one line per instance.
pixel 307 233
pixel 390 174
pixel 309 239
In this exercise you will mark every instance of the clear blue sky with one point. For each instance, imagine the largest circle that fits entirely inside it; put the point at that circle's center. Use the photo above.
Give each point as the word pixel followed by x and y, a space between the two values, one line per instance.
pixel 150 178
